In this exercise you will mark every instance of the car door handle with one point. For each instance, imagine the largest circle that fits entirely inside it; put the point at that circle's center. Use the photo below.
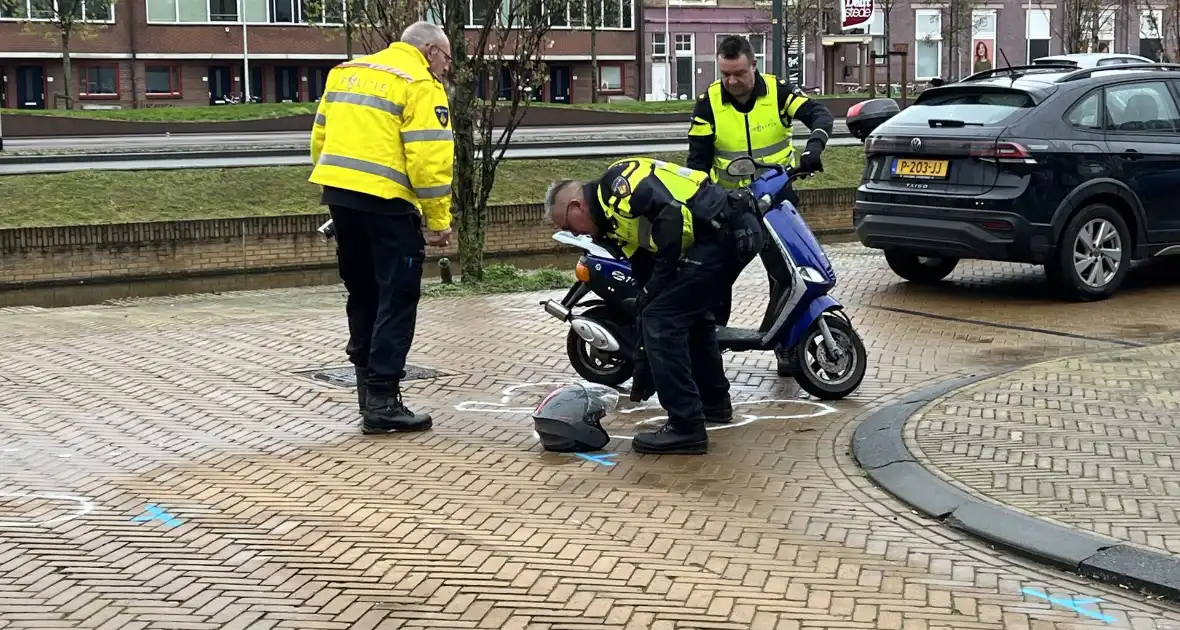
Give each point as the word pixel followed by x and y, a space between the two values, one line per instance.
pixel 1132 154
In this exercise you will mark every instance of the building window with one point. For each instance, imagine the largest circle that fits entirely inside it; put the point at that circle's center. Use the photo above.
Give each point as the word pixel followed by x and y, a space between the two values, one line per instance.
pixel 1151 28
pixel 1038 33
pixel 559 16
pixel 928 44
pixel 223 10
pixel 99 81
pixel 251 11
pixel 89 11
pixel 610 78
pixel 983 40
pixel 757 42
pixel 877 30
pixel 659 44
pixel 162 80
pixel 684 43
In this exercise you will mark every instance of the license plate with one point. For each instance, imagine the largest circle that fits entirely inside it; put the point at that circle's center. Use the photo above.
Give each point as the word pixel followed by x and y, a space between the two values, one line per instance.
pixel 921 169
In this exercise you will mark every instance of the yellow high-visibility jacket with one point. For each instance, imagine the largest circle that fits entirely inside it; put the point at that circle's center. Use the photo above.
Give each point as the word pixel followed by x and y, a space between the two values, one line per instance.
pixel 390 132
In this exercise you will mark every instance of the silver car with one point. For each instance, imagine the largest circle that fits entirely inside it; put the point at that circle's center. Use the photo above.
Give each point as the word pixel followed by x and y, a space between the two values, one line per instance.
pixel 1092 60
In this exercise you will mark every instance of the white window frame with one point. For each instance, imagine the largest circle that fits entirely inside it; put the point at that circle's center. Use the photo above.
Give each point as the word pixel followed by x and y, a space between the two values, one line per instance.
pixel 978 17
pixel 28 8
pixel 690 53
pixel 1034 18
pixel 1145 27
pixel 300 19
pixel 569 26
pixel 659 49
pixel 876 29
pixel 759 57
pixel 924 16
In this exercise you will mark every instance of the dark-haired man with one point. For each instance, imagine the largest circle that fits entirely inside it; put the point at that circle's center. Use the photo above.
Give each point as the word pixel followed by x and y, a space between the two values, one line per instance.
pixel 749 113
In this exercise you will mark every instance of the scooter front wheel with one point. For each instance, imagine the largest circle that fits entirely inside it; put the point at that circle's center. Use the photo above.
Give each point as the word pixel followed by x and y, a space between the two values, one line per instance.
pixel 599 366
pixel 822 375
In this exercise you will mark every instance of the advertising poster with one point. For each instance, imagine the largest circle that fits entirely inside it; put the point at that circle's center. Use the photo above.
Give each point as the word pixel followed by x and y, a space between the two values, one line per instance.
pixel 855 13
pixel 983 55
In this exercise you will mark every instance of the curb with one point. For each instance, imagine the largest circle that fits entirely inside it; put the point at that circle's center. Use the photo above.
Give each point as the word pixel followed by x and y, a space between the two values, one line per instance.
pixel 879 449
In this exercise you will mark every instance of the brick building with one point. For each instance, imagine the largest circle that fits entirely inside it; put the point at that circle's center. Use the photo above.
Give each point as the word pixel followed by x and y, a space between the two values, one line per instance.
pixel 164 53
pixel 940 42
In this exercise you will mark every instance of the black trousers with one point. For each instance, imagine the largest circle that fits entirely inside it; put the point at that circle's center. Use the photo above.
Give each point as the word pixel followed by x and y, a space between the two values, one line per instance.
pixel 679 337
pixel 381 258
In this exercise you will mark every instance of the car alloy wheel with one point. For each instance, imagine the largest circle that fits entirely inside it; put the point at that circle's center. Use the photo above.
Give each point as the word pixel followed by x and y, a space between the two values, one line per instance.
pixel 1097 253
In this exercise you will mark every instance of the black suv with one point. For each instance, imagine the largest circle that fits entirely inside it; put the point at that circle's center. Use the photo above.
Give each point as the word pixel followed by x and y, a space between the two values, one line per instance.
pixel 1076 170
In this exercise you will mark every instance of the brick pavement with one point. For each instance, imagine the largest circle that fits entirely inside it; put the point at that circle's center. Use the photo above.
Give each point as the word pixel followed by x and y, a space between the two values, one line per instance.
pixel 1086 441
pixel 272 511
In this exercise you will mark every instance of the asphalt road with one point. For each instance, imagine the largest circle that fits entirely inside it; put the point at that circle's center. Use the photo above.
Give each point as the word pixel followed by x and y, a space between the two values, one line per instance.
pixel 97 144
pixel 516 151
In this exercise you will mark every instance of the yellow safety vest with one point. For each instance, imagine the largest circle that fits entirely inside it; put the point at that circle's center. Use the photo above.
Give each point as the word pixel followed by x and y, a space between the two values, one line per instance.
pixel 634 232
pixel 383 128
pixel 760 134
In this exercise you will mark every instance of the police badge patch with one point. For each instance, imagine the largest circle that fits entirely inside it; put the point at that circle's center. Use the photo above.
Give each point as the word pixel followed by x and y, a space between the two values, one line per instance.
pixel 443 114
pixel 621 187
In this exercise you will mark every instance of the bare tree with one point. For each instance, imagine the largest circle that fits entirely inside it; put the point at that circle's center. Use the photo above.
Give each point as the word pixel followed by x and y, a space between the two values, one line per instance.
pixel 374 24
pixel 1081 23
pixel 958 24
pixel 62 22
pixel 509 42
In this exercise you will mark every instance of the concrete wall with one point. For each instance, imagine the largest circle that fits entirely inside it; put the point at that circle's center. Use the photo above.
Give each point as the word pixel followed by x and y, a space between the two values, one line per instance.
pixel 110 253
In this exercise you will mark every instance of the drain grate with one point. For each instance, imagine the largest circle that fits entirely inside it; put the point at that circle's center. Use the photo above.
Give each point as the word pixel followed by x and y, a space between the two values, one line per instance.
pixel 345 376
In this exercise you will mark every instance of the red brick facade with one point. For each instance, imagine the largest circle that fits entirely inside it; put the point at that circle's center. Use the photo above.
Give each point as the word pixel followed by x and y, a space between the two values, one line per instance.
pixel 137 62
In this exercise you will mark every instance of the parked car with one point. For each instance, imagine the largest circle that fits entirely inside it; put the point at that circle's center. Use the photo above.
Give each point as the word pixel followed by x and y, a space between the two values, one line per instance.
pixel 1074 169
pixel 1092 60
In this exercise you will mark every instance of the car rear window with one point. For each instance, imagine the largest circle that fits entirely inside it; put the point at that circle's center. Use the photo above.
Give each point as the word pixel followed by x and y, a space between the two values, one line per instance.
pixel 973 107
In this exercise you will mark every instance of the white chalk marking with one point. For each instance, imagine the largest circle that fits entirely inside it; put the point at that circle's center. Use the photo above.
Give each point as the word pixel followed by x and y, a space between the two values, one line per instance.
pixel 740 419
pixel 84 508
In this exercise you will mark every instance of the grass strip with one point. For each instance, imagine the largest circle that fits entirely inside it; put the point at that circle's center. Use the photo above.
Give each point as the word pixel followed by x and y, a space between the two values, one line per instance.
pixel 104 197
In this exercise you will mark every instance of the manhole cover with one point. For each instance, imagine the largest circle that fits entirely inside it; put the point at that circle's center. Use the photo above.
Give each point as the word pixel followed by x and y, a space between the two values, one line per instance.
pixel 346 377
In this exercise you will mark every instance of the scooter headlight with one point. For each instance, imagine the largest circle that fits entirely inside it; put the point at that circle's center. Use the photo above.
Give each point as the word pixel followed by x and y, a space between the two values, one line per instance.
pixel 811 274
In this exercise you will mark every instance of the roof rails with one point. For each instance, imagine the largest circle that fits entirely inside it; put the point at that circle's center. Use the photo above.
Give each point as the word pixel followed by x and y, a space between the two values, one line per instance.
pixel 1085 73
pixel 1019 70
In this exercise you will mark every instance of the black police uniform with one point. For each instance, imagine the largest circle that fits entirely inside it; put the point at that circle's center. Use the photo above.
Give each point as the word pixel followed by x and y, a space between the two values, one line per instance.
pixel 684 235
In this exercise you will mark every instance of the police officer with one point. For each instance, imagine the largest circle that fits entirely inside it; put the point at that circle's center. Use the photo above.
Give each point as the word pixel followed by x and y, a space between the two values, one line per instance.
pixel 383 151
pixel 749 113
pixel 688 240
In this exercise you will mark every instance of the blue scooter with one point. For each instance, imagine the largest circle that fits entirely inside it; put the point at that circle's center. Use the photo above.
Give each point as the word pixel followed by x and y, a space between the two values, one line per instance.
pixel 827 356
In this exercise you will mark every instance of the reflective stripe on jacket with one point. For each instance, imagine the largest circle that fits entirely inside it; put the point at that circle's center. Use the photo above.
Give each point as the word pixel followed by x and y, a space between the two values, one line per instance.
pixel 762 134
pixel 383 128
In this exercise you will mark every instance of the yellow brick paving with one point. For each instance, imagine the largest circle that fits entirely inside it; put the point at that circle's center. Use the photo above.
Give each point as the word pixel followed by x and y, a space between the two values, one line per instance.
pixel 273 511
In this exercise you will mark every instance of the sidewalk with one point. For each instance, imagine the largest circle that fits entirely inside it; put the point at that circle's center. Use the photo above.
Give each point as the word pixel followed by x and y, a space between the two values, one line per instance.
pixel 1089 442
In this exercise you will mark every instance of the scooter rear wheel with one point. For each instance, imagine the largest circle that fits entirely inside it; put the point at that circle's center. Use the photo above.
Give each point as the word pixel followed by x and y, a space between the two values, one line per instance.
pixel 820 375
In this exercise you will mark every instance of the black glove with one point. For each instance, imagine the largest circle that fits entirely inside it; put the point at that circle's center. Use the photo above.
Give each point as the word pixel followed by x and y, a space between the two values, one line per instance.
pixel 642 385
pixel 810 162
pixel 746 230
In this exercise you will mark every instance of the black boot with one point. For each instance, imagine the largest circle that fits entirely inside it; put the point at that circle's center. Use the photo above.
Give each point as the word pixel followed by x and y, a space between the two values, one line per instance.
pixel 385 413
pixel 721 413
pixel 362 387
pixel 671 440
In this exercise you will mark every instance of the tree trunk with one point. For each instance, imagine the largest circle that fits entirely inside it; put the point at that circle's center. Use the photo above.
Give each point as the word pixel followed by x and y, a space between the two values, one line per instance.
pixel 594 81
pixel 466 181
pixel 348 38
pixel 67 74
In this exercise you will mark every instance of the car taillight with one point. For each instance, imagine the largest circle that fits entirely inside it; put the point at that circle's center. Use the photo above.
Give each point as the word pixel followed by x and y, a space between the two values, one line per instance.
pixel 1002 152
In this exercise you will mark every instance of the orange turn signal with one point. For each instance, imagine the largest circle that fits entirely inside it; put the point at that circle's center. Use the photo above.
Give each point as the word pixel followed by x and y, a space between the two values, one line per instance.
pixel 582 272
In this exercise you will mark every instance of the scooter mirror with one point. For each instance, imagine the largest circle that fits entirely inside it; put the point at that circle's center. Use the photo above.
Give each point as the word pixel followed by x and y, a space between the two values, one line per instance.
pixel 742 167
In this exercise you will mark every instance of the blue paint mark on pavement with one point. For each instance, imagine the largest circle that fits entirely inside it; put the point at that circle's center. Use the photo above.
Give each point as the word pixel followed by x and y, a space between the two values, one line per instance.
pixel 1073 604
pixel 156 513
pixel 598 459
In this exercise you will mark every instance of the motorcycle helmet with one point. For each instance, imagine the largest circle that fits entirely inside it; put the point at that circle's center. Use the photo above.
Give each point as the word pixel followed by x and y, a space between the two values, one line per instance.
pixel 569 419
